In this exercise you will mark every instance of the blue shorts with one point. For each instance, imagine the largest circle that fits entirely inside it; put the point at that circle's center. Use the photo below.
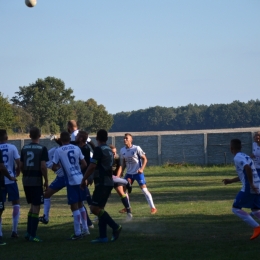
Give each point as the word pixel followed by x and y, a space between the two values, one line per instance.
pixel 139 177
pixel 12 191
pixel 247 200
pixel 75 194
pixel 58 183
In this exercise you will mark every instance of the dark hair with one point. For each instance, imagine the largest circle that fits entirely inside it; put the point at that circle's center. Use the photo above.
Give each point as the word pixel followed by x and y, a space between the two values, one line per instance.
pixel 83 135
pixel 236 144
pixel 65 137
pixel 3 135
pixel 72 123
pixel 102 135
pixel 127 134
pixel 35 133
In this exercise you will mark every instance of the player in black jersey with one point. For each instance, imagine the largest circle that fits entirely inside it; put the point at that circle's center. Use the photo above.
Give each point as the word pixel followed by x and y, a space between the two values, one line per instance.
pixel 33 166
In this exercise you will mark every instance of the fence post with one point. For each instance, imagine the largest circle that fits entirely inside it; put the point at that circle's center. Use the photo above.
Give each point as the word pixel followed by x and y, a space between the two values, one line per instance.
pixel 113 140
pixel 205 149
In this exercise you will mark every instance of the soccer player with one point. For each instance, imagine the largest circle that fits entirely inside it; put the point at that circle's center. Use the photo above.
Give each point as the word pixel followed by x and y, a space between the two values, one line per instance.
pixel 10 158
pixel 248 196
pixel 70 158
pixel 256 152
pixel 3 172
pixel 120 183
pixel 102 161
pixel 33 166
pixel 134 159
pixel 73 130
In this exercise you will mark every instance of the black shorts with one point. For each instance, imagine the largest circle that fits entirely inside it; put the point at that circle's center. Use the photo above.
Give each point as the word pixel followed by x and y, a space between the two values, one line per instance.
pixel 100 195
pixel 34 195
pixel 2 205
pixel 117 184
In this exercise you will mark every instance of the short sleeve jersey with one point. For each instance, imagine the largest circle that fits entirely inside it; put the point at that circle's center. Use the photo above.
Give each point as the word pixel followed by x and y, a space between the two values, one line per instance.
pixel 49 164
pixel 31 156
pixel 103 158
pixel 69 156
pixel 256 153
pixel 240 161
pixel 10 154
pixel 132 157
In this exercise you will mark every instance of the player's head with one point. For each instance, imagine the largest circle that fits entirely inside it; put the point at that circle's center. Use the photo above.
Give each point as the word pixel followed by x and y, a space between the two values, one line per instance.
pixel 113 148
pixel 35 133
pixel 235 146
pixel 82 137
pixel 128 139
pixel 72 126
pixel 3 135
pixel 102 135
pixel 65 137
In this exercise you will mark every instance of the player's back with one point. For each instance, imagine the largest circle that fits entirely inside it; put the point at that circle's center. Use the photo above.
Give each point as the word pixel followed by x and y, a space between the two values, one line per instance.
pixel 31 156
pixel 69 157
pixel 9 155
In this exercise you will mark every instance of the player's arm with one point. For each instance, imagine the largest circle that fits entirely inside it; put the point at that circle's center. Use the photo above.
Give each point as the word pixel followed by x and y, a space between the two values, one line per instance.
pixel 4 171
pixel 229 181
pixel 144 159
pixel 121 168
pixel 18 167
pixel 89 171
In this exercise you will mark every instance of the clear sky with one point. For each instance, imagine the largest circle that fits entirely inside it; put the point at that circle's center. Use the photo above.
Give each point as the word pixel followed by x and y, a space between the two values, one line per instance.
pixel 134 54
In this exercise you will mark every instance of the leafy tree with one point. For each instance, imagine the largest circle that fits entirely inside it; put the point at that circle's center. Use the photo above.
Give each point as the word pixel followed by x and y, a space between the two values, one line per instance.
pixel 44 100
pixel 6 113
pixel 22 120
pixel 101 118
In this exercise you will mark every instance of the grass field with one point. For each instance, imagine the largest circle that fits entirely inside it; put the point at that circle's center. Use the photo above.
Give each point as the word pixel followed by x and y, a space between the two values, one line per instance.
pixel 194 221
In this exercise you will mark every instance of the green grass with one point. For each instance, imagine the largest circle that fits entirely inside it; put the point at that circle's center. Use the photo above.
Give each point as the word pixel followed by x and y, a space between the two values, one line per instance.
pixel 194 221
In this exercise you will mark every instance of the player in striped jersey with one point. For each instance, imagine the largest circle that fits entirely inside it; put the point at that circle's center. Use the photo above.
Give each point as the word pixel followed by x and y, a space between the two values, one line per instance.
pixel 134 159
pixel 11 157
pixel 69 157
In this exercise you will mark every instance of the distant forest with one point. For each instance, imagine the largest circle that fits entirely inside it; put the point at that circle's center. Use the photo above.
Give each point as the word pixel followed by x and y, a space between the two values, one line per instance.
pixel 191 117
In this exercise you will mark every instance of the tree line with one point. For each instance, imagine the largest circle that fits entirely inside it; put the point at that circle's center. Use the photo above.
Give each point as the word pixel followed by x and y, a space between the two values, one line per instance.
pixel 48 105
pixel 191 117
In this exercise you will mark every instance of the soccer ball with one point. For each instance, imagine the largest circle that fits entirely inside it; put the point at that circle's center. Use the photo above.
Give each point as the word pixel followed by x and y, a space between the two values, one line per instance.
pixel 30 3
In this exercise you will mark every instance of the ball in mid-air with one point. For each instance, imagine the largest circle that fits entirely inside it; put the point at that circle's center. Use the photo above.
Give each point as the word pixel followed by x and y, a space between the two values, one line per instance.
pixel 30 3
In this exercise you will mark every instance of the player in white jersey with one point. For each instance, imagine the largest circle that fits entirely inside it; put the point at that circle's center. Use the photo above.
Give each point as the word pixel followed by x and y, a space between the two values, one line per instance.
pixel 256 152
pixel 54 187
pixel 10 158
pixel 134 159
pixel 69 157
pixel 248 196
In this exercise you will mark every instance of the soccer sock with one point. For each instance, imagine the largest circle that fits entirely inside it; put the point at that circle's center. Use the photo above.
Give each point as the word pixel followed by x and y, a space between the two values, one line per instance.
pixel 76 216
pixel 1 234
pixel 256 214
pixel 148 197
pixel 88 197
pixel 47 206
pixel 128 199
pixel 29 223
pixel 125 202
pixel 34 224
pixel 245 217
pixel 102 225
pixel 83 216
pixel 108 220
pixel 16 215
